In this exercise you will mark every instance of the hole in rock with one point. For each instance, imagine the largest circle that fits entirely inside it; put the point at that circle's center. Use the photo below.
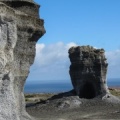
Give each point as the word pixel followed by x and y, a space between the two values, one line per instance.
pixel 88 91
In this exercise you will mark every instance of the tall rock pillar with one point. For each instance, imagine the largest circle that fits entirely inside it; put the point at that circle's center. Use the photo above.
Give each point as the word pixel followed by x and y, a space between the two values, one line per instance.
pixel 20 28
pixel 88 71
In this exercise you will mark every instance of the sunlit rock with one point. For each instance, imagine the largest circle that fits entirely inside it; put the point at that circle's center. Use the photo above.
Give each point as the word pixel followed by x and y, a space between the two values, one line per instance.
pixel 20 28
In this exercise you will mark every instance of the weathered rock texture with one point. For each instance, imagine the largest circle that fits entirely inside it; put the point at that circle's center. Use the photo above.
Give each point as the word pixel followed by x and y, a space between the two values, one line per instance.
pixel 88 71
pixel 20 28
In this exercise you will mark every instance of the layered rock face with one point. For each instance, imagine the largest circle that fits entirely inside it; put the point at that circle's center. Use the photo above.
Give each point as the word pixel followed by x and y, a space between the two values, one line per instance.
pixel 20 28
pixel 88 71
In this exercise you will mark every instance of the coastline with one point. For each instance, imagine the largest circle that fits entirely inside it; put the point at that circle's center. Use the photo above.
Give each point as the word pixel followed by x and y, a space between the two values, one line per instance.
pixel 57 87
pixel 37 97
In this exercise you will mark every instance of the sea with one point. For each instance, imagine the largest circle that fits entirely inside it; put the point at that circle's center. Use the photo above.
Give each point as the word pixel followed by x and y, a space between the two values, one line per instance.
pixel 57 87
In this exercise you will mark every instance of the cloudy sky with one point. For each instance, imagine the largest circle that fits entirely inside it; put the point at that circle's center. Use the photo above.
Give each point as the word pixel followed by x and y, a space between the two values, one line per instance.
pixel 76 22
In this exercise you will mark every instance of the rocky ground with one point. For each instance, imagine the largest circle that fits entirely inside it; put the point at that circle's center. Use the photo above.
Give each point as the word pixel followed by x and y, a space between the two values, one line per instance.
pixel 62 107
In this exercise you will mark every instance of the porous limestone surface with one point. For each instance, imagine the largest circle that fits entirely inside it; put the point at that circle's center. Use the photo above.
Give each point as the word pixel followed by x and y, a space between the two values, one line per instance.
pixel 25 6
pixel 88 71
pixel 19 33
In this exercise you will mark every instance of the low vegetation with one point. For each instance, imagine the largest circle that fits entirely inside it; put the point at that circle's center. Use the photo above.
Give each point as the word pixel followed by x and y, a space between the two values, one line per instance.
pixel 37 97
pixel 115 92
pixel 41 97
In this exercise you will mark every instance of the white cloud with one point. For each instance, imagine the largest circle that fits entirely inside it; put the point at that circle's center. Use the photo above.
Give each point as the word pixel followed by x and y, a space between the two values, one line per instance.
pixel 52 62
pixel 52 54
pixel 114 63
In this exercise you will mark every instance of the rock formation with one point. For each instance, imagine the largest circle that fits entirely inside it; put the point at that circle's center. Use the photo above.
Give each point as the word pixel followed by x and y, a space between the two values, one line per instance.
pixel 88 71
pixel 90 97
pixel 20 28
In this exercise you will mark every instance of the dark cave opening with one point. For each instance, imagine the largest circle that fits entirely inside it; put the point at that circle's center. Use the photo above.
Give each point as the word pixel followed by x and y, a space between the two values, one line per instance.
pixel 88 91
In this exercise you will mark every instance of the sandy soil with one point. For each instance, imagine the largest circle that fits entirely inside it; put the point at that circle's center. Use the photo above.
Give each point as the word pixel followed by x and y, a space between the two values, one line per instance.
pixel 89 109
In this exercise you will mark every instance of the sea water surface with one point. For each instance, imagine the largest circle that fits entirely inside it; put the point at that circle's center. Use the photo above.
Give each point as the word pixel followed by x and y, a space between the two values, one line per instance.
pixel 56 87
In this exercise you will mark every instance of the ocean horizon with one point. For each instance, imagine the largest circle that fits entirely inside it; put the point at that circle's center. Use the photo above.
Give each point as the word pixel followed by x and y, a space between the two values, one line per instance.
pixel 57 87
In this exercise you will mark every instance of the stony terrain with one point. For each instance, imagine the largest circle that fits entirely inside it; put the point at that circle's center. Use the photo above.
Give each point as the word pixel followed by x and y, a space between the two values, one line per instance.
pixel 73 108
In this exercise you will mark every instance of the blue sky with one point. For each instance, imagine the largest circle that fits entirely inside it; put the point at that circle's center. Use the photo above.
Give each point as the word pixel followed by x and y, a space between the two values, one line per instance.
pixel 76 22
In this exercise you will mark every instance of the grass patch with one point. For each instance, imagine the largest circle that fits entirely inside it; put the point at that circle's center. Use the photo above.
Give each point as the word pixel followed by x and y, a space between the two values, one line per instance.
pixel 115 92
pixel 37 97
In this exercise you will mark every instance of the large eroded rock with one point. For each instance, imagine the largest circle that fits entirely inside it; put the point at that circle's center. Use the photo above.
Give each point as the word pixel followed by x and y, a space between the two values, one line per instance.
pixel 20 28
pixel 88 71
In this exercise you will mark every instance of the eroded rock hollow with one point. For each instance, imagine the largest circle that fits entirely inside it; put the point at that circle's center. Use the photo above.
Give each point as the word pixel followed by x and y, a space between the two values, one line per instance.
pixel 88 71
pixel 20 28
